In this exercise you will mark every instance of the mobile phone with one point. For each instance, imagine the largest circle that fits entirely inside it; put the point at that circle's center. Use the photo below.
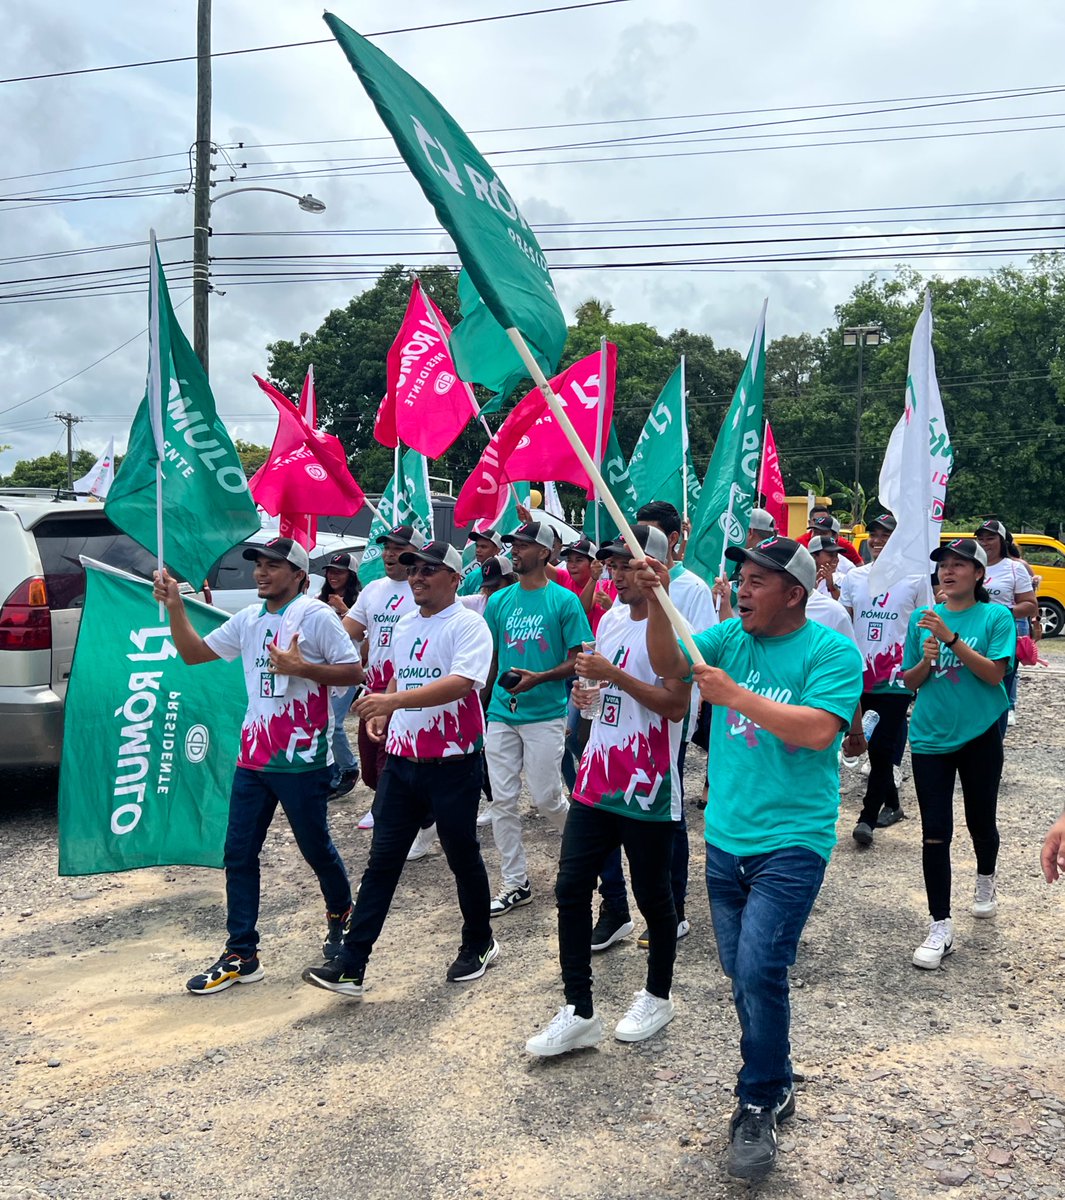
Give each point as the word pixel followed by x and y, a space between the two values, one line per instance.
pixel 509 679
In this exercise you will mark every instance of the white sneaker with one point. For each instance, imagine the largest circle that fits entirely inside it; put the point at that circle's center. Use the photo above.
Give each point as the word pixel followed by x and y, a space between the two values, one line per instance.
pixel 485 818
pixel 647 1015
pixel 897 774
pixel 867 766
pixel 939 943
pixel 985 901
pixel 1011 717
pixel 683 928
pixel 566 1032
pixel 422 844
pixel 367 821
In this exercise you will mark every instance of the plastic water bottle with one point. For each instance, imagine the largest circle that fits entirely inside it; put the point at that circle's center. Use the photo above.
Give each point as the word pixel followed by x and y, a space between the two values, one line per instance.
pixel 592 710
pixel 869 723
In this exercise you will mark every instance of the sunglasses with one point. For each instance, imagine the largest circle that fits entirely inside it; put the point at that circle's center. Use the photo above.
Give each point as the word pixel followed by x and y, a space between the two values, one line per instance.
pixel 423 572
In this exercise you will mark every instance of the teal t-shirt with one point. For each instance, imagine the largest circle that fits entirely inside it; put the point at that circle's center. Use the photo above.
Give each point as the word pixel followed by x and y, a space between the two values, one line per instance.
pixel 472 581
pixel 764 794
pixel 533 630
pixel 953 706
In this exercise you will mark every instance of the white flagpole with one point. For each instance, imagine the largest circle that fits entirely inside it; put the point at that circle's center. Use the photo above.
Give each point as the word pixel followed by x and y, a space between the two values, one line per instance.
pixel 725 544
pixel 761 466
pixel 599 428
pixel 586 461
pixel 686 440
pixel 155 402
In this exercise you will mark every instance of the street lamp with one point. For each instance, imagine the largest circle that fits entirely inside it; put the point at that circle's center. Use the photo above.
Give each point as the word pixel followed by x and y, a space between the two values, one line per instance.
pixel 860 336
pixel 307 202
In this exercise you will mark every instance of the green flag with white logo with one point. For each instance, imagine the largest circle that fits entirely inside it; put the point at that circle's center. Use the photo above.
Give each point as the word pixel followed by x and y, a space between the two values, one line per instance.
pixel 206 505
pixel 724 513
pixel 149 744
pixel 406 501
pixel 507 282
pixel 662 460
pixel 598 523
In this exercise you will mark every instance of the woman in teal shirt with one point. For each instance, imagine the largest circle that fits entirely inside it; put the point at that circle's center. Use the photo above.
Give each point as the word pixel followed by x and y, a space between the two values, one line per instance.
pixel 956 657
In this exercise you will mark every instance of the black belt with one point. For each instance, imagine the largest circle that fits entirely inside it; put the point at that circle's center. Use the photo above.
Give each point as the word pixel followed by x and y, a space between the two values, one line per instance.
pixel 428 762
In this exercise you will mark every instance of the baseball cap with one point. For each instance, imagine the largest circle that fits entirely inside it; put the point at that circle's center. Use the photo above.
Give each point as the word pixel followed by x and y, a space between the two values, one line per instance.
pixel 822 542
pixel 499 567
pixel 486 535
pixel 404 535
pixel 533 531
pixel 442 553
pixel 995 527
pixel 583 545
pixel 284 550
pixel 653 541
pixel 342 560
pixel 780 554
pixel 824 522
pixel 885 521
pixel 964 548
pixel 760 519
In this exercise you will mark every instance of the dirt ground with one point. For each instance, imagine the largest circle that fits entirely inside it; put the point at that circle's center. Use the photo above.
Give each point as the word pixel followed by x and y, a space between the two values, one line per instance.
pixel 115 1082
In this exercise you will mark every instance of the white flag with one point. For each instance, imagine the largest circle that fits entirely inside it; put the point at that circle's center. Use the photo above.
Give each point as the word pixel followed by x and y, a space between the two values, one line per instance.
pixel 552 503
pixel 917 465
pixel 100 475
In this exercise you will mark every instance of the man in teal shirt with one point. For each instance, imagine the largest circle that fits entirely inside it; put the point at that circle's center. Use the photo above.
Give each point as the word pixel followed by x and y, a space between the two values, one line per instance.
pixel 783 690
pixel 537 630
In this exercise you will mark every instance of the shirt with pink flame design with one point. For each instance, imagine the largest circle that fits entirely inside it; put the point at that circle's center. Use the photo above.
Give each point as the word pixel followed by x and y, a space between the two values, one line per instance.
pixel 378 608
pixel 880 624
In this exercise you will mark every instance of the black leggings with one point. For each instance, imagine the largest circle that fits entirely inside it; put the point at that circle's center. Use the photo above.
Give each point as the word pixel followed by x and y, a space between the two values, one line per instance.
pixel 881 792
pixel 978 764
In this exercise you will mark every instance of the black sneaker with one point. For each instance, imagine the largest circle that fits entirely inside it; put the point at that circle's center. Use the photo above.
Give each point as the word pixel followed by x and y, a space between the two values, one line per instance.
pixel 611 927
pixel 335 977
pixel 472 964
pixel 890 816
pixel 752 1142
pixel 863 834
pixel 511 898
pixel 338 925
pixel 785 1108
pixel 228 970
pixel 346 783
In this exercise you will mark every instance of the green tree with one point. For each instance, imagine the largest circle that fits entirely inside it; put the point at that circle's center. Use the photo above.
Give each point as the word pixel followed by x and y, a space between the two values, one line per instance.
pixel 48 471
pixel 251 455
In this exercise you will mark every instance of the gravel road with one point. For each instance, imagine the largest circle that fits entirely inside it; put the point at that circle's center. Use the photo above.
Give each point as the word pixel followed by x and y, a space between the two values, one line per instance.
pixel 116 1083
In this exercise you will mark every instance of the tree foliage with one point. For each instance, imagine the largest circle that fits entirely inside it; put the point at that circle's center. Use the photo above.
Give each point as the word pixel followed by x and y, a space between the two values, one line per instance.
pixel 48 471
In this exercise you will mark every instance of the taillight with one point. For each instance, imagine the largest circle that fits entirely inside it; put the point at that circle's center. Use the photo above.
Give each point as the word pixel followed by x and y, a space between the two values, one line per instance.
pixel 25 620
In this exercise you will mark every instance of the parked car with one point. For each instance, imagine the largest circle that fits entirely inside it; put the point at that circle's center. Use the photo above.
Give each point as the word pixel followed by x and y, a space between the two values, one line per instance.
pixel 1046 556
pixel 231 580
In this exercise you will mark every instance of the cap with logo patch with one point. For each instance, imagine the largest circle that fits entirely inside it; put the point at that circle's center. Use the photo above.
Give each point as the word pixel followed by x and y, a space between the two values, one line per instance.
pixel 885 521
pixel 963 548
pixel 283 550
pixel 821 543
pixel 538 532
pixel 995 527
pixel 780 554
pixel 824 522
pixel 341 561
pixel 493 569
pixel 403 535
pixel 583 545
pixel 486 535
pixel 653 541
pixel 440 553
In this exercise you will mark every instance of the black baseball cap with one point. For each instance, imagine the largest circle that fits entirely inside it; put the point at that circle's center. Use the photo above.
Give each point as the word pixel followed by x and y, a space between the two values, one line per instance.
pixel 442 553
pixel 780 554
pixel 995 527
pixel 652 540
pixel 284 550
pixel 533 531
pixel 822 542
pixel 403 535
pixel 583 545
pixel 499 567
pixel 824 521
pixel 885 521
pixel 342 560
pixel 963 548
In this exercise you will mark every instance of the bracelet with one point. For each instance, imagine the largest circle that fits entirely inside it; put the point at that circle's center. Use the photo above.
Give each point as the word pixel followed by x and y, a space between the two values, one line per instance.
pixel 952 640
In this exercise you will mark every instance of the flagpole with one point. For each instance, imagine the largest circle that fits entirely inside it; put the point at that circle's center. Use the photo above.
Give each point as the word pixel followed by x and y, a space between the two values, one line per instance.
pixel 155 404
pixel 684 456
pixel 761 465
pixel 725 543
pixel 581 451
pixel 599 427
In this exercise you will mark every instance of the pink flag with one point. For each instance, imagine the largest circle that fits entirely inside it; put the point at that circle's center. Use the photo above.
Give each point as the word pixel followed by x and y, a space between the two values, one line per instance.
pixel 303 527
pixel 530 445
pixel 307 471
pixel 772 482
pixel 426 406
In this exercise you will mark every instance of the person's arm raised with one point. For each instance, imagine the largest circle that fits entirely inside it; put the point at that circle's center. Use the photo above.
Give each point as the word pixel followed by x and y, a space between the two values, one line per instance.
pixel 188 643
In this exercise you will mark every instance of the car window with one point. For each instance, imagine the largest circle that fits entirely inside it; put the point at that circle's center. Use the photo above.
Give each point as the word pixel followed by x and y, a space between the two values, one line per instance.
pixel 233 571
pixel 60 540
pixel 1042 556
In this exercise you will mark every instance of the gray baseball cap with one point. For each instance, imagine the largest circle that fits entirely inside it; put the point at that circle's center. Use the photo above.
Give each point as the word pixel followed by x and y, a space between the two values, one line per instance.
pixel 780 554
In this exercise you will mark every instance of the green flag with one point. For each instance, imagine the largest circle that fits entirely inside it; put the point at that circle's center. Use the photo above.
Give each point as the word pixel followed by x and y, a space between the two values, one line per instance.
pixel 728 496
pixel 616 474
pixel 507 521
pixel 406 501
pixel 662 456
pixel 509 283
pixel 207 507
pixel 149 744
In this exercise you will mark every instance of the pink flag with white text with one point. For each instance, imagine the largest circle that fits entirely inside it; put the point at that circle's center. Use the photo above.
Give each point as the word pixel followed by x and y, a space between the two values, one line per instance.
pixel 303 527
pixel 426 406
pixel 772 485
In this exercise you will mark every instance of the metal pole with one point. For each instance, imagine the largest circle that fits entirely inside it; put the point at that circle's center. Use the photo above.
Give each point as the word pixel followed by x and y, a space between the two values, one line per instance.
pixel 201 209
pixel 70 452
pixel 858 430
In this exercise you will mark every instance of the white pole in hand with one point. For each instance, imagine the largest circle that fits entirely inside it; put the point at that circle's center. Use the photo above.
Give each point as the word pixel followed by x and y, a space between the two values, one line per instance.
pixel 564 423
pixel 725 544
pixel 155 402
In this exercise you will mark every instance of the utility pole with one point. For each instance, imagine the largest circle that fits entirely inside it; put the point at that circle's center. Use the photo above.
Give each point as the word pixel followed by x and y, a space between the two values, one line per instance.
pixel 69 420
pixel 202 184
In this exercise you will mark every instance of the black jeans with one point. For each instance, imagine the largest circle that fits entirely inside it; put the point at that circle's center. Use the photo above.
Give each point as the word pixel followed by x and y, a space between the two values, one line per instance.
pixel 978 764
pixel 407 794
pixel 881 792
pixel 590 834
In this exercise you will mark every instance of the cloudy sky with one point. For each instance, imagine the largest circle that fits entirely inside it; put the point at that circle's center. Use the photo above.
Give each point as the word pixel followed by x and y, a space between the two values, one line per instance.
pixel 674 121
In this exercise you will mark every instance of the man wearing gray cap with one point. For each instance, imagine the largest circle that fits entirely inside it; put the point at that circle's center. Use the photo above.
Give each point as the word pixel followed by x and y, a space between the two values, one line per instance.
pixel 760 526
pixel 294 650
pixel 487 543
pixel 783 689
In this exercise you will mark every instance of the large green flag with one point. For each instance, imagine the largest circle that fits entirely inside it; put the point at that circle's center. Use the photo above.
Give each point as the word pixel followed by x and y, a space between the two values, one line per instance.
pixel 149 744
pixel 406 501
pixel 724 512
pixel 511 286
pixel 207 507
pixel 662 459
pixel 602 529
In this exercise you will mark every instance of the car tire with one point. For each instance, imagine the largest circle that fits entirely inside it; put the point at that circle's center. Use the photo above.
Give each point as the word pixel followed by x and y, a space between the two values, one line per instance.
pixel 1052 617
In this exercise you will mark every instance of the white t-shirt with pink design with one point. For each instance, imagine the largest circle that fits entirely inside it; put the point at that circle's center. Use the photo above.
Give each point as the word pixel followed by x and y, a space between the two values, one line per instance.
pixel 378 608
pixel 880 624
pixel 455 641
pixel 630 763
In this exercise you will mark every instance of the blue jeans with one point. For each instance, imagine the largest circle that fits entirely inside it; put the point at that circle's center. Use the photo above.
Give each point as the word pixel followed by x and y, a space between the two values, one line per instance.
pixel 303 795
pixel 344 760
pixel 759 905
